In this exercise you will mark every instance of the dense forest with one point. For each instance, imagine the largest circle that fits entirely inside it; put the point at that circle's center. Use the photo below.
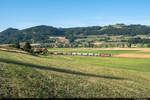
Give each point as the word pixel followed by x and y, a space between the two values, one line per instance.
pixel 41 34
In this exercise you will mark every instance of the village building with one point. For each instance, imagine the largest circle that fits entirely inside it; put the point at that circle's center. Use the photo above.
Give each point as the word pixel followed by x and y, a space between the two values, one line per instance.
pixel 44 50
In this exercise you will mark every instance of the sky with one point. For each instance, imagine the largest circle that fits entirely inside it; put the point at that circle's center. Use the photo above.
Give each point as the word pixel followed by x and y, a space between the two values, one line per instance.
pixel 72 13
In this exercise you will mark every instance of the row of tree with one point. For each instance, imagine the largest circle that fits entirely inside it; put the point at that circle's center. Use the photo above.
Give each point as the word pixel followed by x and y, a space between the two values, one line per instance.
pixel 139 40
pixel 26 47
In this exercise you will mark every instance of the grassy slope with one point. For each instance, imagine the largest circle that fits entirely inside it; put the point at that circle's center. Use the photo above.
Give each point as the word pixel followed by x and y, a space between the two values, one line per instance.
pixel 73 76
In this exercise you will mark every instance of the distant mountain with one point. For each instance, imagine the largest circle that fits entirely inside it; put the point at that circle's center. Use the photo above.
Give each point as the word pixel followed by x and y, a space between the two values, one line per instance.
pixel 33 34
pixel 8 32
pixel 8 35
pixel 40 34
pixel 42 30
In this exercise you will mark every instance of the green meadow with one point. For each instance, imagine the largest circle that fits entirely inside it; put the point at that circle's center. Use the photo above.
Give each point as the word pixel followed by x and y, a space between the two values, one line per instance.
pixel 88 50
pixel 58 76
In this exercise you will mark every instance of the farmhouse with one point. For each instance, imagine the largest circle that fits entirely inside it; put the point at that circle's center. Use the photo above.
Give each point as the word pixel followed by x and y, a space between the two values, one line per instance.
pixel 44 50
pixel 40 50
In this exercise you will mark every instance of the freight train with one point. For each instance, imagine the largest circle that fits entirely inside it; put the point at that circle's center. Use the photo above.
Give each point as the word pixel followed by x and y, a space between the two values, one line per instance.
pixel 81 54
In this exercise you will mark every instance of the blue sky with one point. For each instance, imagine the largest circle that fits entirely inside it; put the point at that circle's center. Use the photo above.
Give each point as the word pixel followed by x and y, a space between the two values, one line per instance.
pixel 72 13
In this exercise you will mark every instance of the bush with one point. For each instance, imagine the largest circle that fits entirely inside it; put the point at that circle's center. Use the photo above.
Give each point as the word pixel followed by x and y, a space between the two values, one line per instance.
pixel 27 46
pixel 16 45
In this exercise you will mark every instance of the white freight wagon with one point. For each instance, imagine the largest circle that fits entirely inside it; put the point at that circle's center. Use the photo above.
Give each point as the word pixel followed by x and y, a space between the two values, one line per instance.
pixel 90 54
pixel 97 54
pixel 74 53
pixel 84 54
pixel 79 54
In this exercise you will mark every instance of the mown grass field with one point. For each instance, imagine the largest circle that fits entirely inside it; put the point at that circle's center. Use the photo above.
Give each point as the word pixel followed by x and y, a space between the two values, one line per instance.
pixel 23 75
pixel 90 50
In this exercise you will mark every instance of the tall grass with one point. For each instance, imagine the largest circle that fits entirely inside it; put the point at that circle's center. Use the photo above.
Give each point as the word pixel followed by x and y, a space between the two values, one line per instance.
pixel 24 75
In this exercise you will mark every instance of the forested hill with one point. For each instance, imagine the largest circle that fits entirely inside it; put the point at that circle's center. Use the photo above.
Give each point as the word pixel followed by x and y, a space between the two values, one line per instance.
pixel 42 33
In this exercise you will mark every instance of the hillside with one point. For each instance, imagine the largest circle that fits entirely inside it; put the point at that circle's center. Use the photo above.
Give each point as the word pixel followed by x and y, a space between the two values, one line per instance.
pixel 23 75
pixel 34 34
pixel 41 34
